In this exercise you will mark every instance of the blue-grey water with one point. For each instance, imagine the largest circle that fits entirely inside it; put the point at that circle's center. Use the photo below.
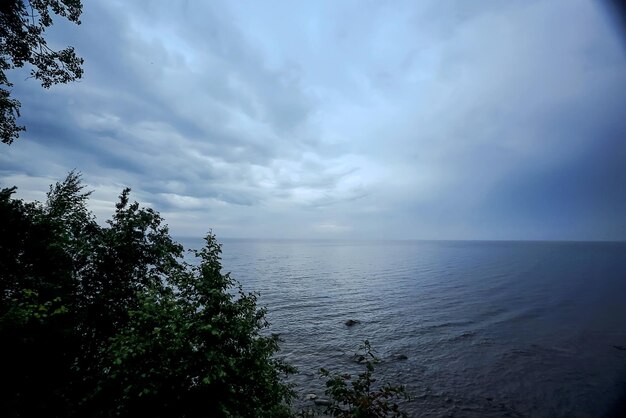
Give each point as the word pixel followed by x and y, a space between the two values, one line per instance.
pixel 489 329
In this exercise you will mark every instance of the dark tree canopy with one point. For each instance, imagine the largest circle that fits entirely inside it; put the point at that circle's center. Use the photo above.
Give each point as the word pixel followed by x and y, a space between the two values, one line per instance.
pixel 103 321
pixel 110 321
pixel 22 28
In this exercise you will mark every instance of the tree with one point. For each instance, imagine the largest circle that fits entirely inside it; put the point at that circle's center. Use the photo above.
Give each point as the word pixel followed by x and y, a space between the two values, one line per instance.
pixel 108 320
pixel 100 321
pixel 40 246
pixel 22 27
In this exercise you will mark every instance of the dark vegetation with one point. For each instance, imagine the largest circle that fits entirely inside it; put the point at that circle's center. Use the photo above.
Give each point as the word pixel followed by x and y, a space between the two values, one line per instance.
pixel 361 396
pixel 101 321
pixel 111 321
pixel 22 27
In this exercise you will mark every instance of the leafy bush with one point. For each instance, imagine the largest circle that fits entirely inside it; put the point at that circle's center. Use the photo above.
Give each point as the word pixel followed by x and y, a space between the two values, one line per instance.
pixel 102 321
pixel 99 321
pixel 362 397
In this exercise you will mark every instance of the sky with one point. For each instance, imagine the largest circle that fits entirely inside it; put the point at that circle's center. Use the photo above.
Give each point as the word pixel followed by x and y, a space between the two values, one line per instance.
pixel 436 119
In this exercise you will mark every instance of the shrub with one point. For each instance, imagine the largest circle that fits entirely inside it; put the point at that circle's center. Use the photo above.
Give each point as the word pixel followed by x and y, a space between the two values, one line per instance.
pixel 109 320
pixel 362 397
pixel 99 321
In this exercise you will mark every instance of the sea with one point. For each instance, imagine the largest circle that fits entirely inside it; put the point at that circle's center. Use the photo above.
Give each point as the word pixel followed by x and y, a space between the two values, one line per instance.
pixel 471 328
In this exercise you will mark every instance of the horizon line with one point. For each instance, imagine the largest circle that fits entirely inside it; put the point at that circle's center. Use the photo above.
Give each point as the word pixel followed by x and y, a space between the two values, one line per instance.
pixel 406 239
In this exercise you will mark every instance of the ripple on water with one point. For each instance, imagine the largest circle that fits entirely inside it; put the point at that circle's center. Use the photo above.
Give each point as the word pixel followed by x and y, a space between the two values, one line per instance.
pixel 488 329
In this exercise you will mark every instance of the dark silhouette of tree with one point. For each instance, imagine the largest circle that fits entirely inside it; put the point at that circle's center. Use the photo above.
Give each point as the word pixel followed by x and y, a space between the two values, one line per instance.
pixel 22 28
pixel 99 321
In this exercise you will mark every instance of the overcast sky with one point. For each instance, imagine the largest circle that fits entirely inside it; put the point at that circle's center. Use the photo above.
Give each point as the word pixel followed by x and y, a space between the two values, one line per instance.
pixel 352 119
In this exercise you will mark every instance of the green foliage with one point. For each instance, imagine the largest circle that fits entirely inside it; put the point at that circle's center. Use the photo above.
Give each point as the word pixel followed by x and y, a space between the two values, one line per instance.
pixel 109 321
pixel 38 299
pixel 102 321
pixel 363 397
pixel 22 28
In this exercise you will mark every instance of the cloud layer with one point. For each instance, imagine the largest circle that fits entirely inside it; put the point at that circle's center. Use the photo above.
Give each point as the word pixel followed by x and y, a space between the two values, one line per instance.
pixel 443 120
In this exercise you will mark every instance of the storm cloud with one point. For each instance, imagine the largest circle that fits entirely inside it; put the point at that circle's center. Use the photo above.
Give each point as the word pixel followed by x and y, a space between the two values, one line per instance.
pixel 378 120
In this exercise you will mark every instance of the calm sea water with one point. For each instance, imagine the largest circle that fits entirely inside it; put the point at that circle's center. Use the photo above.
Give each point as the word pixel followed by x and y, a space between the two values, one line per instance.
pixel 489 329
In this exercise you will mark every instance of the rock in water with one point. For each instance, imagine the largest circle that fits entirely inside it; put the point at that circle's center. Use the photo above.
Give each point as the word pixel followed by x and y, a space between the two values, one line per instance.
pixel 322 402
pixel 351 322
pixel 360 359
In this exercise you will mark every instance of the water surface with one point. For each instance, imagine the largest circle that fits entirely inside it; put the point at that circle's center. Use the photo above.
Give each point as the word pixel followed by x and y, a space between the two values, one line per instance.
pixel 489 329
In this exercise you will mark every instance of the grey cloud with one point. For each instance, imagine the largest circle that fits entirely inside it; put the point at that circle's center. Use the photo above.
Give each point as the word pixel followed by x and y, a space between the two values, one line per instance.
pixel 433 120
